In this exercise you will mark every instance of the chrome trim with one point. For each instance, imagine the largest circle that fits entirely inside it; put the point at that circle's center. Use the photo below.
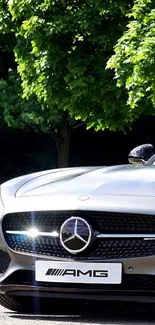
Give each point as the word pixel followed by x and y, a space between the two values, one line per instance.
pixel 39 233
pixel 56 234
pixel 126 236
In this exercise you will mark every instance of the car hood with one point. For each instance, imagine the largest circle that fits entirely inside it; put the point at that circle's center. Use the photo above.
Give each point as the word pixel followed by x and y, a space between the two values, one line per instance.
pixel 117 188
pixel 117 180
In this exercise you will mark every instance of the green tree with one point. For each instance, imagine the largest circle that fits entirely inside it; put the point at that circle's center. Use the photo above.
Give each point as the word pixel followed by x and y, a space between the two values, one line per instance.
pixel 61 50
pixel 134 59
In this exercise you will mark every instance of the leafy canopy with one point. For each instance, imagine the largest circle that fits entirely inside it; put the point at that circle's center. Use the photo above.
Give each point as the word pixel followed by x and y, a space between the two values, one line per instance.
pixel 134 58
pixel 17 112
pixel 62 48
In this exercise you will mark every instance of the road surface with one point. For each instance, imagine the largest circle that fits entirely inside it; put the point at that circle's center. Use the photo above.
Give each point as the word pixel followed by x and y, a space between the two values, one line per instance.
pixel 107 314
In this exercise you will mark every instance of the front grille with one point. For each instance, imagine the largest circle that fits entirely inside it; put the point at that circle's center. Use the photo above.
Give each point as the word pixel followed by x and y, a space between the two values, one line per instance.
pixel 129 282
pixel 102 222
pixel 101 249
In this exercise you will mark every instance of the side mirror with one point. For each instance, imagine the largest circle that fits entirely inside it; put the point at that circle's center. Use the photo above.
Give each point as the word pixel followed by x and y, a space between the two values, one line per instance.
pixel 141 154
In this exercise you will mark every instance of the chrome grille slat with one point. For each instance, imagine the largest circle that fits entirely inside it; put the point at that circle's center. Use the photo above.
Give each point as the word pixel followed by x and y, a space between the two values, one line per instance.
pixel 103 236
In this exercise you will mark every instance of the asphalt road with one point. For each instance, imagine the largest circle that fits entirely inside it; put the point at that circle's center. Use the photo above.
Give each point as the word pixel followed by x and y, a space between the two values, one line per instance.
pixel 107 314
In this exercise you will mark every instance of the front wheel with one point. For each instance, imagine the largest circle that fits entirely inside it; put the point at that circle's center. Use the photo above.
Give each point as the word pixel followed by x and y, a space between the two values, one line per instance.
pixel 11 303
pixel 26 304
pixel 21 303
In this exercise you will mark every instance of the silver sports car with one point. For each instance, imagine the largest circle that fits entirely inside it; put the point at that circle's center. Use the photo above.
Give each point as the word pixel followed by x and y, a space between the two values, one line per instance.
pixel 84 233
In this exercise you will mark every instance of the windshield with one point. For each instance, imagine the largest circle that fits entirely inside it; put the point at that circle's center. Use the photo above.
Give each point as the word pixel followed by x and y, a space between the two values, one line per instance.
pixel 151 161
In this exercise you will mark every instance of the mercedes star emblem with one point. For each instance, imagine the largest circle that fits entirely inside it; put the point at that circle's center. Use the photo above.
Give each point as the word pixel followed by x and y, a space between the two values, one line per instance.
pixel 75 235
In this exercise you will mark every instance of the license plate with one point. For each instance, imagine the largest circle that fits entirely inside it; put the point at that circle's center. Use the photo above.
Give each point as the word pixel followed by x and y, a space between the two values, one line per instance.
pixel 78 272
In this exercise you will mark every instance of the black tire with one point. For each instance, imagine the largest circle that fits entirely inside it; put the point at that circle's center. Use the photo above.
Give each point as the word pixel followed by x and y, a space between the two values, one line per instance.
pixel 35 305
pixel 20 303
pixel 26 304
pixel 11 303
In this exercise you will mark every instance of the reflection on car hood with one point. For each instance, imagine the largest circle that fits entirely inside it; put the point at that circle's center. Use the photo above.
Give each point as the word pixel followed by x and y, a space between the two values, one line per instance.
pixel 117 180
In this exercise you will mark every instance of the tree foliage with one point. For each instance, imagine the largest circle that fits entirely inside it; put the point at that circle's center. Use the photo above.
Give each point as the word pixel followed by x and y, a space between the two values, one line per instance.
pixel 134 59
pixel 62 50
pixel 59 51
pixel 17 112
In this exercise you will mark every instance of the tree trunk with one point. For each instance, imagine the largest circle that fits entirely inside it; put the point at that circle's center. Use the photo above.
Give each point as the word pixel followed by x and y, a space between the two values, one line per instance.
pixel 63 144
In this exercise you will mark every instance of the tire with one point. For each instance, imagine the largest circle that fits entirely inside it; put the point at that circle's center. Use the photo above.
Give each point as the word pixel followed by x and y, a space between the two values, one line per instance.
pixel 11 303
pixel 26 304
pixel 34 305
pixel 20 303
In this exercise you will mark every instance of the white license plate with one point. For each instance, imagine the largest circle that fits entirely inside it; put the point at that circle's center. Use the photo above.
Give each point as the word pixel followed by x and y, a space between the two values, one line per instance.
pixel 78 272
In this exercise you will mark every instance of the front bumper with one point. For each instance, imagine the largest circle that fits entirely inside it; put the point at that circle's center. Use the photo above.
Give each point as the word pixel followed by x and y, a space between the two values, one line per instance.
pixel 133 288
pixel 138 281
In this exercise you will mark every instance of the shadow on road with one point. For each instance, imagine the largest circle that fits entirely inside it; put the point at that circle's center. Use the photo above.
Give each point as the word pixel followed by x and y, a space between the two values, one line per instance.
pixel 100 313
